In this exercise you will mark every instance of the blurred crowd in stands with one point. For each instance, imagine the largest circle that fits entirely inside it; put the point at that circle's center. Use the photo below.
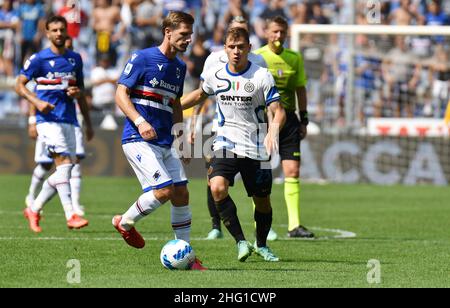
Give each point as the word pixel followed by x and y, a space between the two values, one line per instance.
pixel 394 76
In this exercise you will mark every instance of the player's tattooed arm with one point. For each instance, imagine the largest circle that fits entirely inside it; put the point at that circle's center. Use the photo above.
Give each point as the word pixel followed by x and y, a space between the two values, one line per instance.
pixel 21 90
pixel 124 103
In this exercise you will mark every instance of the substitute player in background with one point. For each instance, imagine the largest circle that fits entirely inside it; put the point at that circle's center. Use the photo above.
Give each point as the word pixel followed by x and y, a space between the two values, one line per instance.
pixel 243 92
pixel 288 70
pixel 44 162
pixel 149 94
pixel 218 58
pixel 58 73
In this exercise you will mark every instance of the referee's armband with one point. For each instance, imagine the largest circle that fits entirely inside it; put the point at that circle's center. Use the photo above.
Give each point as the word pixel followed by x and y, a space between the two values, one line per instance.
pixel 304 117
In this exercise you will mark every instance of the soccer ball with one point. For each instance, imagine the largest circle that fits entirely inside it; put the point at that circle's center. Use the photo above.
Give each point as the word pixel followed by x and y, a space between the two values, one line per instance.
pixel 177 254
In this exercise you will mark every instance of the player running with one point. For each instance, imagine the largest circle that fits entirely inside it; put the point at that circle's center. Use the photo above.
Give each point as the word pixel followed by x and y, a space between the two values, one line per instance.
pixel 243 92
pixel 44 162
pixel 288 70
pixel 218 58
pixel 58 73
pixel 149 94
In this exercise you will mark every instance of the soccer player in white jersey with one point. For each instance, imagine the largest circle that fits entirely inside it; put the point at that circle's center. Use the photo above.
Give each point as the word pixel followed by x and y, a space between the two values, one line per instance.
pixel 218 58
pixel 44 162
pixel 59 75
pixel 149 94
pixel 244 91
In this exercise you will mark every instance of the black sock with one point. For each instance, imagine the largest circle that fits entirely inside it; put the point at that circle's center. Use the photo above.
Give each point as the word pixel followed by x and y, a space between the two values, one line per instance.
pixel 215 217
pixel 263 225
pixel 228 212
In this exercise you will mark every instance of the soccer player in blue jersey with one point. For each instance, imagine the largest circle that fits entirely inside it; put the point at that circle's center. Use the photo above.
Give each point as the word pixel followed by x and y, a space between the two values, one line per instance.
pixel 149 94
pixel 58 73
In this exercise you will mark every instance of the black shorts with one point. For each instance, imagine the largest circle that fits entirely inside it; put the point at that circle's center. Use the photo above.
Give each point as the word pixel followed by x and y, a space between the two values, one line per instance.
pixel 257 181
pixel 290 138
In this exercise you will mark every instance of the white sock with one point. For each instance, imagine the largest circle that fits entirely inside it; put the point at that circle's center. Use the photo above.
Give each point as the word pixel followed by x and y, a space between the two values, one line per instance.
pixel 181 222
pixel 61 181
pixel 144 206
pixel 36 180
pixel 48 191
pixel 75 186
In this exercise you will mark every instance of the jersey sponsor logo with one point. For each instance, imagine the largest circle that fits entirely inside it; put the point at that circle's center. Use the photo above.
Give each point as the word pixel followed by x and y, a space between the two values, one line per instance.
pixel 160 66
pixel 128 69
pixel 52 63
pixel 249 87
pixel 233 98
pixel 154 82
pixel 169 86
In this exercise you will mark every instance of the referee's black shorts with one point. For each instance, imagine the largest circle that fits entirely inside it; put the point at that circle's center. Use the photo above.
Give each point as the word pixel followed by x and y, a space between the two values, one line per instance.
pixel 257 180
pixel 290 138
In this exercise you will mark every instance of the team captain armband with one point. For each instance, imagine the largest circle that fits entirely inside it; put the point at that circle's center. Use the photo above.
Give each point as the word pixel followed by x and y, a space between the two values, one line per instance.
pixel 304 117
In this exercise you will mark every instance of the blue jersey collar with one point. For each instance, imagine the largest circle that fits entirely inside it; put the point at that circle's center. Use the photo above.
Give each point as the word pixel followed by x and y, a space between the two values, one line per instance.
pixel 240 73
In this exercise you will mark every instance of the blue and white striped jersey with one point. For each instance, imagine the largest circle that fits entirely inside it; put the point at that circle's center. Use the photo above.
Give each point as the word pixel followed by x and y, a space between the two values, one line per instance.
pixel 155 83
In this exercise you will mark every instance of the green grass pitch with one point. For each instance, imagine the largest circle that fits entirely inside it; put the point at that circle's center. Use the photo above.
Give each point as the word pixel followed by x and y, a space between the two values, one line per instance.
pixel 405 228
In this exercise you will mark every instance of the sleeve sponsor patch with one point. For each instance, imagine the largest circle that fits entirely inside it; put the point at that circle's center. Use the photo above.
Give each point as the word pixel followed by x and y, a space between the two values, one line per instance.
pixel 128 69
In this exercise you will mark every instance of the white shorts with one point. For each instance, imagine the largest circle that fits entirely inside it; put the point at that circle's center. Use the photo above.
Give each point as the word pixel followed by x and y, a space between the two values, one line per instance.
pixel 42 156
pixel 58 138
pixel 155 167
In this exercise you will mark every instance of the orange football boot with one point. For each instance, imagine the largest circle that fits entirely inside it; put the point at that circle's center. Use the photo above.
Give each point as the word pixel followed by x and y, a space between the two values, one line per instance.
pixel 76 222
pixel 197 266
pixel 132 237
pixel 33 220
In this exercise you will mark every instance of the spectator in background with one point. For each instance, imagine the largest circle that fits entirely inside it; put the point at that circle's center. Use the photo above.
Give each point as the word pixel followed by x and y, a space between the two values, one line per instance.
pixel 318 16
pixel 106 16
pixel 76 18
pixel 31 14
pixel 407 14
pixel 9 23
pixel 401 71
pixel 197 59
pixel 274 8
pixel 440 73
pixel 145 29
pixel 104 78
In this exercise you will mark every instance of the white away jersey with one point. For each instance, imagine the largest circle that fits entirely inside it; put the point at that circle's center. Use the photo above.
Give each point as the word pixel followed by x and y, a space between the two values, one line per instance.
pixel 241 106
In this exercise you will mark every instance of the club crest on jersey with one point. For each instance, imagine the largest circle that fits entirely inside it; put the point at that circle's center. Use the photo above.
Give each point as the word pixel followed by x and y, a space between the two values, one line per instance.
pixel 72 61
pixel 235 85
pixel 166 100
pixel 157 175
pixel 154 82
pixel 52 63
pixel 249 87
